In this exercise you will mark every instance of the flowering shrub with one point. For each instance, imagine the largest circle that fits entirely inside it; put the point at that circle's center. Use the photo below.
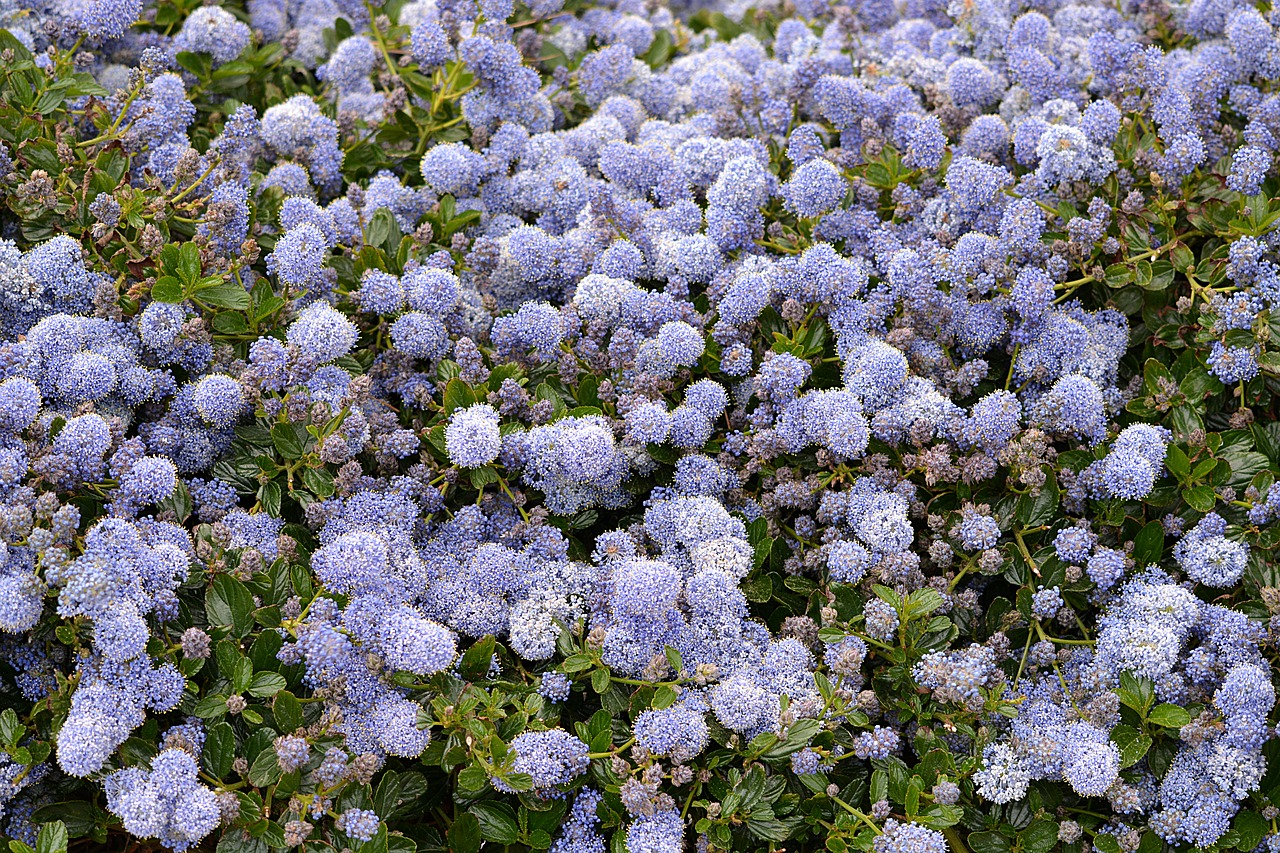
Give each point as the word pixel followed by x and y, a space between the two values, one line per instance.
pixel 463 424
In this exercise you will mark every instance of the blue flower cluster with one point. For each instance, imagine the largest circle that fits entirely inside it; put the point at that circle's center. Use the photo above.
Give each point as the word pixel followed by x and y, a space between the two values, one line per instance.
pixel 166 802
pixel 1190 652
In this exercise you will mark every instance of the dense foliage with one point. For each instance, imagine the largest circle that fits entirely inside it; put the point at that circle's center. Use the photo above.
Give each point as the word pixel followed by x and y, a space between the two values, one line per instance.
pixel 465 424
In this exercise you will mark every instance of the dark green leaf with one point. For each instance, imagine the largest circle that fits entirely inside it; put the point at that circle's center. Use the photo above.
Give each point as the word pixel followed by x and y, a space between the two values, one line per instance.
pixel 457 395
pixel 319 481
pixel 229 294
pixel 475 663
pixel 1148 544
pixel 1040 837
pixel 1177 462
pixel 289 440
pixel 10 729
pixel 52 838
pixel 211 707
pixel 189 263
pixel 266 684
pixel 1040 509
pixel 288 712
pixel 497 822
pixel 1170 716
pixel 269 496
pixel 1250 827
pixel 79 817
pixel 464 835
pixel 1106 842
pixel 265 769
pixel 758 589
pixel 167 289
pixel 219 750
pixel 1136 693
pixel 1133 744
pixel 989 842
pixel 1200 498
pixel 472 778
pixel 664 697
pixel 229 604
pixel 600 680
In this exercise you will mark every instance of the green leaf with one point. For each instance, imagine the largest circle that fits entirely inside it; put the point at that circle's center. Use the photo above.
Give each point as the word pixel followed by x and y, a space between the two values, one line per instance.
pixel 79 817
pixel 659 50
pixel 236 840
pixel 577 663
pixel 211 707
pixel 457 395
pixel 940 817
pixel 1117 276
pixel 1106 842
pixel 1198 384
pixel 1133 744
pixel 167 289
pixel 989 842
pixel 1039 510
pixel 758 589
pixel 464 835
pixel 253 434
pixel 52 838
pixel 1251 827
pixel 288 712
pixel 600 680
pixel 229 604
pixel 879 786
pixel 497 822
pixel 228 294
pixel 1156 377
pixel 888 596
pixel 1148 544
pixel 798 737
pixel 1266 437
pixel 269 497
pixel 289 440
pixel 189 263
pixel 229 323
pixel 10 729
pixel 475 663
pixel 761 542
pixel 219 750
pixel 1200 498
pixel 587 392
pixel 241 675
pixel 383 231
pixel 923 602
pixel 1040 837
pixel 265 769
pixel 1169 716
pixel 472 778
pixel 1177 462
pixel 266 684
pixel 1204 468
pixel 319 481
pixel 1136 693
pixel 199 64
